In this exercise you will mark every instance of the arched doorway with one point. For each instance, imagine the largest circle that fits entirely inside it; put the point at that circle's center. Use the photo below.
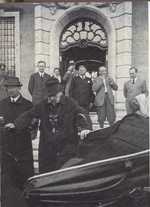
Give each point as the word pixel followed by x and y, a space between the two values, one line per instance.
pixel 84 41
pixel 70 16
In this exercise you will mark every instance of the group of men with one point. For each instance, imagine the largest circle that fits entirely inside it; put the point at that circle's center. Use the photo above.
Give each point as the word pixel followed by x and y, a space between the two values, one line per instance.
pixel 61 105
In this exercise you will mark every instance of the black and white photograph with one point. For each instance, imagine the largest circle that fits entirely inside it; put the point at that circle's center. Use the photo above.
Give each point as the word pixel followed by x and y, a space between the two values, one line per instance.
pixel 74 103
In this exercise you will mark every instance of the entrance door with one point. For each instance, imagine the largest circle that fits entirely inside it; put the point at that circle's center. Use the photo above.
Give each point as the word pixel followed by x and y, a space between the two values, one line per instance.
pixel 83 41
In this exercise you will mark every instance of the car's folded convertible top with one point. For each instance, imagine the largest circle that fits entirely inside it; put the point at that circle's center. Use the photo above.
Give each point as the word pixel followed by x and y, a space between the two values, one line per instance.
pixel 111 164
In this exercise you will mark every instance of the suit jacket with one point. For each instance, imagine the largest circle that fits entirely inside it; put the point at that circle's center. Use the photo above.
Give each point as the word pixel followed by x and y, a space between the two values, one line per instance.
pixel 37 87
pixel 98 87
pixel 131 90
pixel 81 90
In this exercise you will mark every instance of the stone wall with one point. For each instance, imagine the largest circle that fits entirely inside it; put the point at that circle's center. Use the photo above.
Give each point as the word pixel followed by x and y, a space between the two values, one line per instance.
pixel 140 37
pixel 122 20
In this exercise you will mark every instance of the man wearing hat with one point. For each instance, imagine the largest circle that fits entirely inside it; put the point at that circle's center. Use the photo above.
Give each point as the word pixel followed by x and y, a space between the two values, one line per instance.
pixel 18 144
pixel 17 158
pixel 60 118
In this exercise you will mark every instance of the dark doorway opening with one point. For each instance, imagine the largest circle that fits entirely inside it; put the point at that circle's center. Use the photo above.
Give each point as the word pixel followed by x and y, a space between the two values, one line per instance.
pixel 91 56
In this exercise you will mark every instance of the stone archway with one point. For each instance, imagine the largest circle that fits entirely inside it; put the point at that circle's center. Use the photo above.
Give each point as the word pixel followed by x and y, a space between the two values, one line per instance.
pixel 72 14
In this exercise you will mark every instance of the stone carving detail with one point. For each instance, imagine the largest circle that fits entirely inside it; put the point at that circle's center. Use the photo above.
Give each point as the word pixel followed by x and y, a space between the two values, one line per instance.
pixel 65 5
pixel 83 33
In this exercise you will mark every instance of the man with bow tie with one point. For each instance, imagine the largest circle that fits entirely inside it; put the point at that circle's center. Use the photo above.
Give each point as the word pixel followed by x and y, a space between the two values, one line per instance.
pixel 133 87
pixel 36 84
pixel 104 100
pixel 17 156
pixel 60 118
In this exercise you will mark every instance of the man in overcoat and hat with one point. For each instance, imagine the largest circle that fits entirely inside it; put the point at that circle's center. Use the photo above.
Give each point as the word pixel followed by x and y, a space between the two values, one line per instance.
pixel 60 118
pixel 17 157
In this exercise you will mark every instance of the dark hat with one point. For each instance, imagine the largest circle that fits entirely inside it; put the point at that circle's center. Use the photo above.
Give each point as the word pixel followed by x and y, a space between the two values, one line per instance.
pixel 12 81
pixel 53 86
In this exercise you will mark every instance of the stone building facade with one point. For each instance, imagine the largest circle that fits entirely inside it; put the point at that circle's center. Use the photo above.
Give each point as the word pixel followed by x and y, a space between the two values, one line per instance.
pixel 41 29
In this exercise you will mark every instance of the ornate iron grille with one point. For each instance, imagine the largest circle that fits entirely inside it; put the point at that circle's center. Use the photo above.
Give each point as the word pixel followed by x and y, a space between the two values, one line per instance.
pixel 84 33
pixel 7 43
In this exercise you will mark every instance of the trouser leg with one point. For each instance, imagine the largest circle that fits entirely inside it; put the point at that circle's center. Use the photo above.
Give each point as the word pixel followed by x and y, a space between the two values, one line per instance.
pixel 110 111
pixel 101 112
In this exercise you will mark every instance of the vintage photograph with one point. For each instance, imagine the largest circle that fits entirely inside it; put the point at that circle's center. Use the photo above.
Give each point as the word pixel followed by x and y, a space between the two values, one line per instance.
pixel 74 97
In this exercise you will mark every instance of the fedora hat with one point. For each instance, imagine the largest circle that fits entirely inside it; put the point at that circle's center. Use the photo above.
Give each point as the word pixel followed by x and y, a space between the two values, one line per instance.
pixel 53 86
pixel 12 81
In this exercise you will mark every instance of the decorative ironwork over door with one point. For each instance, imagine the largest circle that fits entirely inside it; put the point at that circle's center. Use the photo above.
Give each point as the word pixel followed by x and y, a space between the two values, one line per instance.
pixel 83 33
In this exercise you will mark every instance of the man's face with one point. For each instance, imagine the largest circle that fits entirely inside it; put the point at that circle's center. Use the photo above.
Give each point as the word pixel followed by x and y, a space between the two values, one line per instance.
pixel 82 70
pixel 57 72
pixel 41 67
pixel 132 73
pixel 13 91
pixel 103 71
pixel 54 98
pixel 71 68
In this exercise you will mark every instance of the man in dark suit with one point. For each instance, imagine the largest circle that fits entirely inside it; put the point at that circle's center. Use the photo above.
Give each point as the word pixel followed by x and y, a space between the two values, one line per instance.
pixel 104 100
pixel 81 89
pixel 17 156
pixel 36 84
pixel 133 87
pixel 60 118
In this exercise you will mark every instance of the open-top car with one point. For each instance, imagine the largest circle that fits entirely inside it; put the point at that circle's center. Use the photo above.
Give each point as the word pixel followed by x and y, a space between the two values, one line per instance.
pixel 111 169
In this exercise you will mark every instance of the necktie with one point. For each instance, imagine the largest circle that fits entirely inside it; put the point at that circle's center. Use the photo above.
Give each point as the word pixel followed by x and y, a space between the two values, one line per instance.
pixel 133 81
pixel 41 76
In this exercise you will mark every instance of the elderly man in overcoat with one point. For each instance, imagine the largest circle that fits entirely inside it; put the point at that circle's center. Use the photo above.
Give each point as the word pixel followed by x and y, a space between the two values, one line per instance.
pixel 81 89
pixel 60 119
pixel 17 156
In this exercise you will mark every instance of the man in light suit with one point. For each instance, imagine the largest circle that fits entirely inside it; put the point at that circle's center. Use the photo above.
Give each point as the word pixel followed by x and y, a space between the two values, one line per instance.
pixel 104 100
pixel 36 84
pixel 133 87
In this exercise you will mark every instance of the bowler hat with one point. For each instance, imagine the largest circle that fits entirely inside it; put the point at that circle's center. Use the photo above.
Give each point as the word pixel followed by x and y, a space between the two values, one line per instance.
pixel 53 86
pixel 12 81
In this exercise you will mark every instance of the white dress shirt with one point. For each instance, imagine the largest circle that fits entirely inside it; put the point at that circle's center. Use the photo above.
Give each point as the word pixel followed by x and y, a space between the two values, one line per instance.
pixel 104 81
pixel 14 100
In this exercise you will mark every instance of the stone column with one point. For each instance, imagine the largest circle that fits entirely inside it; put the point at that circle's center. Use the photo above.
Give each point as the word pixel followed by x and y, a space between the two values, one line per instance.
pixel 122 20
pixel 140 37
pixel 42 35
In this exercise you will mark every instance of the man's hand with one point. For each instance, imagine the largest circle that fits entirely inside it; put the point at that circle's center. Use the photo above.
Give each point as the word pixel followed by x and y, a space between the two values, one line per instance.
pixel 84 133
pixel 9 126
pixel 110 81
